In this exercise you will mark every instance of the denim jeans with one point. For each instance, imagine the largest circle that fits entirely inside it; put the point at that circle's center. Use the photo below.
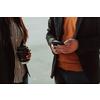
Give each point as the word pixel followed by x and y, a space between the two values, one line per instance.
pixel 25 81
pixel 70 77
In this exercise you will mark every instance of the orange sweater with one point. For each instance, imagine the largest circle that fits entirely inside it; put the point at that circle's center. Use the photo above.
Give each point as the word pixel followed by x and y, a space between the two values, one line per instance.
pixel 69 61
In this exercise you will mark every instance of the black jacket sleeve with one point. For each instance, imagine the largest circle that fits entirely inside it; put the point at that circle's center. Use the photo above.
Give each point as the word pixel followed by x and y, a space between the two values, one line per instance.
pixel 51 35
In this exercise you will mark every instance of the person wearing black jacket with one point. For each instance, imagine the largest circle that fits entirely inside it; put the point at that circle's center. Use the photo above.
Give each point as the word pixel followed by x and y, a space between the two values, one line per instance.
pixel 85 43
pixel 13 34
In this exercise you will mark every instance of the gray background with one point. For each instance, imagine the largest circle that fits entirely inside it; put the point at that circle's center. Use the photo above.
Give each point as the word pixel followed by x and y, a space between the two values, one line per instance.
pixel 41 60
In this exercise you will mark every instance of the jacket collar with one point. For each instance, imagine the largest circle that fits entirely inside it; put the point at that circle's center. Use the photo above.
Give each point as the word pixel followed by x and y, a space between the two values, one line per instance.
pixel 59 25
pixel 79 20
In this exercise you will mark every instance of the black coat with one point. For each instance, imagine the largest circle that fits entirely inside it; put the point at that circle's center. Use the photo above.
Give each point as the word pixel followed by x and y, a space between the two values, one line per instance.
pixel 7 65
pixel 88 35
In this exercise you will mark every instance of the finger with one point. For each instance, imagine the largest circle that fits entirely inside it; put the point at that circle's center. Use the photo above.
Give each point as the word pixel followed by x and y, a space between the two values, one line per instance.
pixel 67 42
pixel 56 51
pixel 60 47
pixel 29 52
pixel 66 52
pixel 52 45
pixel 28 56
pixel 64 48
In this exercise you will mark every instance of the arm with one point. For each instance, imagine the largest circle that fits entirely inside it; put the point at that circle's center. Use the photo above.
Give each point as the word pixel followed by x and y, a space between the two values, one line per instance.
pixel 51 35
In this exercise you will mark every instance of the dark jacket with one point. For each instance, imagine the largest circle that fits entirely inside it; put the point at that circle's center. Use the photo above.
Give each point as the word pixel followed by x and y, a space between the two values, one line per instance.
pixel 7 65
pixel 88 35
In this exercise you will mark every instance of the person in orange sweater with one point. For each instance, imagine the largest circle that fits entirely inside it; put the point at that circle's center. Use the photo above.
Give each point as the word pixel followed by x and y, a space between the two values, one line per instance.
pixel 77 61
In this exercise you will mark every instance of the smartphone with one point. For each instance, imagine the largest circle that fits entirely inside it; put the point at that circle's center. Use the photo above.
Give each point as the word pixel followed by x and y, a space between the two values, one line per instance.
pixel 55 43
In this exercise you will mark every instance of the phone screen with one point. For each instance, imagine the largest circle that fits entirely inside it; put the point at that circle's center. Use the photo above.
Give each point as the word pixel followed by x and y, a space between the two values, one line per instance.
pixel 55 43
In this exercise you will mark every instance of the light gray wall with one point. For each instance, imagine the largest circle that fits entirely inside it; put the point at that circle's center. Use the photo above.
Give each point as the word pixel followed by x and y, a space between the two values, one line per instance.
pixel 41 60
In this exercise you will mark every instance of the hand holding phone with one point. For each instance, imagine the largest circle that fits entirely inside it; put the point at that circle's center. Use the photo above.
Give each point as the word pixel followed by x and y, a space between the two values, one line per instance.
pixel 55 43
